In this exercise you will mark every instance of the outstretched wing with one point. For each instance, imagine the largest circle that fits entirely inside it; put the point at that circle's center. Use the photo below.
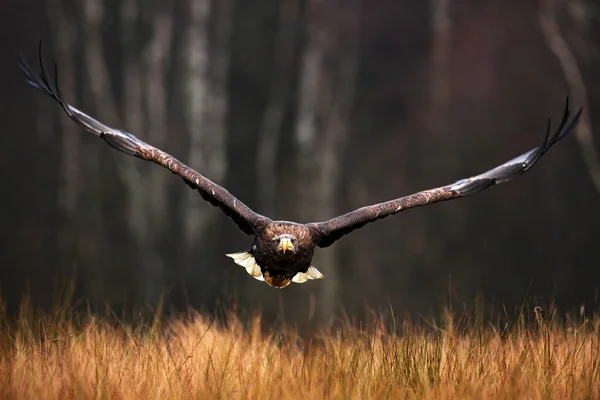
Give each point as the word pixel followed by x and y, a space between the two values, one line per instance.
pixel 327 232
pixel 216 195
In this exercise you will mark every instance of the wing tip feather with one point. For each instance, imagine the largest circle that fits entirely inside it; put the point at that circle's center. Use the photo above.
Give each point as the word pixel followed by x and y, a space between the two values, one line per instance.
pixel 42 81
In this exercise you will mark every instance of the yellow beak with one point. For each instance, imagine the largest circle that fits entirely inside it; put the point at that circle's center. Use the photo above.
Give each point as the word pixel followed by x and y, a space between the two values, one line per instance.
pixel 285 245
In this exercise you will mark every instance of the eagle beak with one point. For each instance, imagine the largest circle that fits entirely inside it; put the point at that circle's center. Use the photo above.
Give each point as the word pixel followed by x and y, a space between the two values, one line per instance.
pixel 285 244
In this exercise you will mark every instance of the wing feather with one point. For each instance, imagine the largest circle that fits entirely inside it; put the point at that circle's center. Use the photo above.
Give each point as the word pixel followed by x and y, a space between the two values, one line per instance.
pixel 327 232
pixel 242 215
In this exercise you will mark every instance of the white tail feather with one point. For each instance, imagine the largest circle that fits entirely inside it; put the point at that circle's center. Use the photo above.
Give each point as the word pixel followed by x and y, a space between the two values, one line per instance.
pixel 314 273
pixel 300 277
pixel 311 273
pixel 247 261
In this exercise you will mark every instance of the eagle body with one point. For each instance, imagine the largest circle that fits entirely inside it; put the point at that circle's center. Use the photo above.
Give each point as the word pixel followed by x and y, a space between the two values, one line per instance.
pixel 282 251
pixel 279 268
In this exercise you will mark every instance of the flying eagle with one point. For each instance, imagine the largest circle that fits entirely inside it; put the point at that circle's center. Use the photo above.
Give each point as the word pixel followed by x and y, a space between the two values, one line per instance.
pixel 282 251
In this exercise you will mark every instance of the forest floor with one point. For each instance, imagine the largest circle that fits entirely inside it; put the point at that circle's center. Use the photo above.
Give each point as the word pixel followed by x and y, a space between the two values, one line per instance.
pixel 83 357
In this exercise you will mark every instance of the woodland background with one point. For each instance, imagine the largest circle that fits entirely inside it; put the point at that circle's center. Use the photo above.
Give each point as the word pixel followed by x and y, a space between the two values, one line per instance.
pixel 304 109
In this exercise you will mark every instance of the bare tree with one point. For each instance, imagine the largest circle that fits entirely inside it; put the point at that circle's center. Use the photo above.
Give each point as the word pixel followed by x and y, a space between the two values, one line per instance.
pixel 155 56
pixel 102 102
pixel 195 55
pixel 561 49
pixel 327 86
pixel 440 55
pixel 205 61
pixel 134 118
pixel 69 191
pixel 144 99
pixel 440 74
pixel 144 113
pixel 282 82
pixel 95 64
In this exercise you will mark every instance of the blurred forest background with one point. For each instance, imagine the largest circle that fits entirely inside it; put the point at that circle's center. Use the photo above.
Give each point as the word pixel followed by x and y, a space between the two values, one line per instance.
pixel 303 109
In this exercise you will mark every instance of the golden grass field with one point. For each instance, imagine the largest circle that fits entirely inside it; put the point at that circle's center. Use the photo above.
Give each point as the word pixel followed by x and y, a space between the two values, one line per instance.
pixel 191 357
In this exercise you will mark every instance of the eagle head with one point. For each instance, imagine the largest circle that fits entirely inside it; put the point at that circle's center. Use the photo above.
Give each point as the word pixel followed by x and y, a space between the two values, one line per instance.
pixel 286 243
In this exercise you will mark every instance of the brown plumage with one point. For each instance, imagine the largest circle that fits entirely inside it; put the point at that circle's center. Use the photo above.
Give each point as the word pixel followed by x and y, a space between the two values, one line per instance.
pixel 282 251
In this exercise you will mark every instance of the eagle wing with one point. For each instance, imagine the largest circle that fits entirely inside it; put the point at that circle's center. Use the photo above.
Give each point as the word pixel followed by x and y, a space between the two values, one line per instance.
pixel 242 215
pixel 327 232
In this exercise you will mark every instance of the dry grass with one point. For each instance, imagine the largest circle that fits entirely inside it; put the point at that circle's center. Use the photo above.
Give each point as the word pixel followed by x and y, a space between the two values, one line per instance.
pixel 59 358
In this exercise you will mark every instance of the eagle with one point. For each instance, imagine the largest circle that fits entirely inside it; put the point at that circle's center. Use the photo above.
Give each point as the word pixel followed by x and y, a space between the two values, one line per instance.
pixel 282 251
